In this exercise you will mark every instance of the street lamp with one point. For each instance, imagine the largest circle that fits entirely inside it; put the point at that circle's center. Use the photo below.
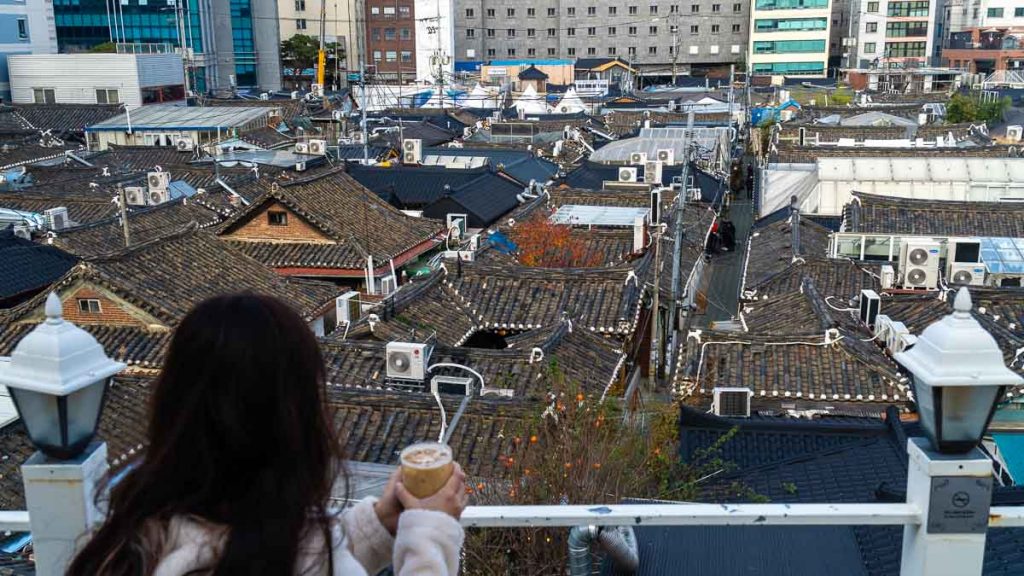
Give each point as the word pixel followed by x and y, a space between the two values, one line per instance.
pixel 959 377
pixel 58 376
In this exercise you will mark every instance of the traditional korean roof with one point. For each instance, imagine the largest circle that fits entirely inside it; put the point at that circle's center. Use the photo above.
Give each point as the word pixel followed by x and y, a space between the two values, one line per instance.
pixel 532 73
pixel 81 210
pixel 354 218
pixel 771 246
pixel 873 213
pixel 30 151
pixel 64 117
pixel 27 267
pixel 267 137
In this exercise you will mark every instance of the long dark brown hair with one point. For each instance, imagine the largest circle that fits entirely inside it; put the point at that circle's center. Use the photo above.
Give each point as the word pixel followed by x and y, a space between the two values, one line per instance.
pixel 239 436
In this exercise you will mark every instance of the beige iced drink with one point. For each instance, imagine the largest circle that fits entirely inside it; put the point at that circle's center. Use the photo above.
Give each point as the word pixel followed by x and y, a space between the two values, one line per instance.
pixel 426 467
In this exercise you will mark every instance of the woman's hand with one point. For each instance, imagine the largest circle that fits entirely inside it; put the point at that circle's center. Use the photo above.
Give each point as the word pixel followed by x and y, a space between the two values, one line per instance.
pixel 450 499
pixel 388 507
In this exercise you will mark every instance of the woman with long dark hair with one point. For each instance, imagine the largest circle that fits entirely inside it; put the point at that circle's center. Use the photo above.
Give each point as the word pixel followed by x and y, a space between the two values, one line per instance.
pixel 241 461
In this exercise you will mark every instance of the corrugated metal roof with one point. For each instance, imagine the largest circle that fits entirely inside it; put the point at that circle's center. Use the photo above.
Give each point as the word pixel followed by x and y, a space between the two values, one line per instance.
pixel 650 140
pixel 157 116
pixel 598 215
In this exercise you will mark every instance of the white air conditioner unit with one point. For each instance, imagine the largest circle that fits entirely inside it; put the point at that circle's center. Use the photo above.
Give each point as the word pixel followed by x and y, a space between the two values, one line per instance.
pixel 637 158
pixel 346 307
pixel 264 95
pixel 184 145
pixel 888 276
pixel 158 180
pixel 474 242
pixel 302 148
pixel 315 89
pixel 388 285
pixel 467 255
pixel 295 94
pixel 23 231
pixel 881 328
pixel 870 306
pixel 412 151
pixel 667 156
pixel 300 167
pixel 1015 132
pixel 357 138
pixel 919 263
pixel 56 218
pixel 732 401
pixel 458 385
pixel 157 196
pixel 898 338
pixel 407 360
pixel 318 147
pixel 135 195
pixel 652 172
pixel 457 221
pixel 627 174
pixel 965 274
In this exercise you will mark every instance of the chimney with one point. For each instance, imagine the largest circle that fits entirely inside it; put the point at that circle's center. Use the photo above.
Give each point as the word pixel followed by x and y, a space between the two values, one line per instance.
pixel 794 225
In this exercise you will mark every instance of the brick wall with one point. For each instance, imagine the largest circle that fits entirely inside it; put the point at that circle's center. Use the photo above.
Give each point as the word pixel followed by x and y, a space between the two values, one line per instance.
pixel 111 313
pixel 259 228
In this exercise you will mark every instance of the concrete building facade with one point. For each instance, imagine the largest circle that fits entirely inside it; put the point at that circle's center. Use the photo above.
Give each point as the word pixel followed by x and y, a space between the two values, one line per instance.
pixel 894 33
pixel 435 39
pixel 26 27
pixel 303 17
pixel 707 33
pixel 790 37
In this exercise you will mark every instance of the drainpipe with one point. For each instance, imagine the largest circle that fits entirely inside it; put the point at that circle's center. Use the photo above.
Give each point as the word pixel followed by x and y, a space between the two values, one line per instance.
pixel 619 543
pixel 794 226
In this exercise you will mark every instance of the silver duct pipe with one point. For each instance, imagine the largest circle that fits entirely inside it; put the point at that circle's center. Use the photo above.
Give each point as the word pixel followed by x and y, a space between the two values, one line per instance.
pixel 618 542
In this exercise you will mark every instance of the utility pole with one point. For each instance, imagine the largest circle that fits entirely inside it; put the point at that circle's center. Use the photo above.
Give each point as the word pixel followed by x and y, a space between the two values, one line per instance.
pixel 362 111
pixel 652 370
pixel 321 55
pixel 674 26
pixel 122 201
pixel 678 236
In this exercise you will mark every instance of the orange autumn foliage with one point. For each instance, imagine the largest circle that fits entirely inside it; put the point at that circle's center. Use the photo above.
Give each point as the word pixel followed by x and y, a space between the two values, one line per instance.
pixel 544 244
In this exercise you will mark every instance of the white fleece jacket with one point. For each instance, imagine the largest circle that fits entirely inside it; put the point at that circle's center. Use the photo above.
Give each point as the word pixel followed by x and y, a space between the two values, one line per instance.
pixel 427 543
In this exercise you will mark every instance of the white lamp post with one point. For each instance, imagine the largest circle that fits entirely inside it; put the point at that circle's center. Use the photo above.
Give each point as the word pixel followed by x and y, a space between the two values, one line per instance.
pixel 58 377
pixel 959 376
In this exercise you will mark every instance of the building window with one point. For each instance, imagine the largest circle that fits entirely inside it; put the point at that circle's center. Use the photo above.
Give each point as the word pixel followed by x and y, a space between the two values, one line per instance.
pixel 551 12
pixel 652 50
pixel 674 9
pixel 376 55
pixel 994 13
pixel 611 50
pixel 491 52
pixel 671 50
pixel 22 29
pixel 871 27
pixel 591 51
pixel 107 96
pixel 531 12
pixel 872 7
pixel 789 68
pixel 869 47
pixel 404 11
pixel 389 33
pixel 511 51
pixel 470 33
pixel 1018 12
pixel 906 29
pixel 612 10
pixel 511 32
pixel 531 51
pixel 715 28
pixel 652 30
pixel 735 28
pixel 391 56
pixel 788 46
pixel 375 33
pixel 716 8
pixel 790 4
pixel 591 10
pixel 694 29
pixel 571 11
pixel 300 5
pixel 511 12
pixel 406 34
pixel 570 31
pixel 300 23
pixel 374 10
pixel 89 306
pixel 904 49
pixel 633 10
pixel 917 8
pixel 653 9
pixel 406 56
pixel 694 8
pixel 570 51
pixel 275 218
pixel 631 50
pixel 591 31
pixel 551 51
pixel 790 24
pixel 490 12
pixel 490 32
pixel 632 30
pixel 389 10
pixel 469 13
pixel 43 96
pixel 531 32
pixel 552 32
pixel 737 7
pixel 611 30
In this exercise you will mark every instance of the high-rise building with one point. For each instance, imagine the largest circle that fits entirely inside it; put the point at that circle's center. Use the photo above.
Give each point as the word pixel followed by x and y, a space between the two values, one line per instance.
pixel 790 37
pixel 391 39
pixel 26 27
pixel 894 33
pixel 654 35
pixel 226 43
pixel 341 25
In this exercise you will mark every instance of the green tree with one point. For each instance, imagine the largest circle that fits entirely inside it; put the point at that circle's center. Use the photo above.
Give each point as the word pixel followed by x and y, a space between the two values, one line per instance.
pixel 842 96
pixel 961 108
pixel 105 48
pixel 299 52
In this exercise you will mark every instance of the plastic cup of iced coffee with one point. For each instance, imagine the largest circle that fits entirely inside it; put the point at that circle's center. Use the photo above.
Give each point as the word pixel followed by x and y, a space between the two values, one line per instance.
pixel 426 468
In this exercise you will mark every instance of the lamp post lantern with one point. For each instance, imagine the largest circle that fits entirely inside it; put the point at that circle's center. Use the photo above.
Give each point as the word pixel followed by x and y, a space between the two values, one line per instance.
pixel 959 377
pixel 58 376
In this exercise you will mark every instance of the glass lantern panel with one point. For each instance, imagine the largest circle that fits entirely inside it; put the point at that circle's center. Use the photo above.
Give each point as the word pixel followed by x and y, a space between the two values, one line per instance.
pixel 964 415
pixel 83 412
pixel 40 416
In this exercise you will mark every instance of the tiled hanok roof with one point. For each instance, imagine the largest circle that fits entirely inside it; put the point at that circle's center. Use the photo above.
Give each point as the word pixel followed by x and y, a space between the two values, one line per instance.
pixel 267 137
pixel 771 247
pixel 874 213
pixel 81 210
pixel 29 151
pixel 65 117
pixel 142 349
pixel 357 221
pixel 26 267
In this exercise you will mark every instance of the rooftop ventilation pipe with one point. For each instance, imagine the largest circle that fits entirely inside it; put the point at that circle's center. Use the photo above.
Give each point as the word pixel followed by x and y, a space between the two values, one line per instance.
pixel 618 542
pixel 794 227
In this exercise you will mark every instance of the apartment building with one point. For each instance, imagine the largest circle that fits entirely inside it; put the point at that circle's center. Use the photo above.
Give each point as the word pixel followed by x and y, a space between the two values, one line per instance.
pixel 26 27
pixel 650 34
pixel 790 37
pixel 961 15
pixel 390 39
pixel 894 33
pixel 229 43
